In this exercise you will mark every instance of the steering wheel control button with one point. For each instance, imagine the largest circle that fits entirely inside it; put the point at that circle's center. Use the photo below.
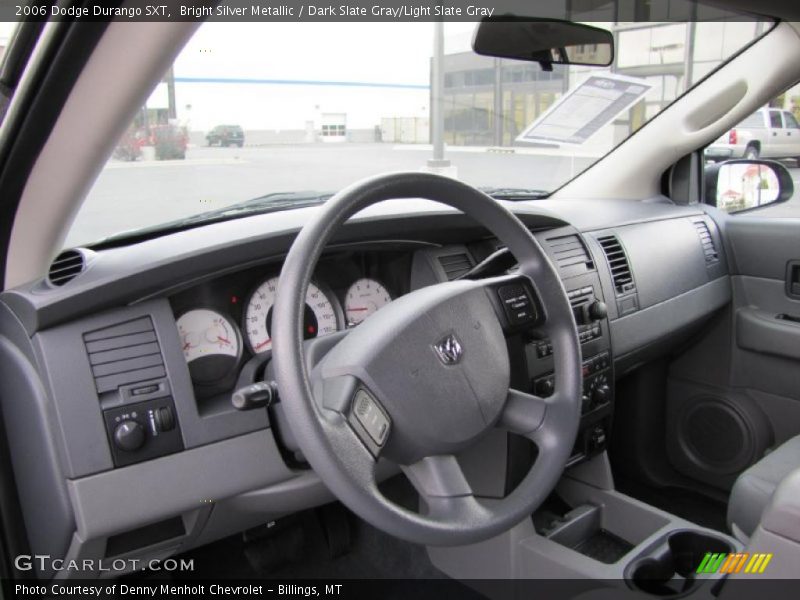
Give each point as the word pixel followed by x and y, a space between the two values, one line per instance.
pixel 371 417
pixel 517 304
pixel 129 436
pixel 142 431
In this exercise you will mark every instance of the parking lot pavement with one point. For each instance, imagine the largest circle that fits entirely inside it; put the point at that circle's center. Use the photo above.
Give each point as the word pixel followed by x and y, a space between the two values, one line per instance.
pixel 133 195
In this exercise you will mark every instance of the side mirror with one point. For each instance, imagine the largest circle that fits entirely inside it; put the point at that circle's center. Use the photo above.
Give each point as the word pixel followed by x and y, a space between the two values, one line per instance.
pixel 739 185
pixel 546 41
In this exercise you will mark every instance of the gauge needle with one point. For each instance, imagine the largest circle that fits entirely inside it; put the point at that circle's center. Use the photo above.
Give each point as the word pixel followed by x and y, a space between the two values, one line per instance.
pixel 357 309
pixel 223 340
pixel 186 346
pixel 262 344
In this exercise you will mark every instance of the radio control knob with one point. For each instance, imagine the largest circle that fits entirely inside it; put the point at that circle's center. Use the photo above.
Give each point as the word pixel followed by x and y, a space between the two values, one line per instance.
pixel 129 436
pixel 598 311
pixel 545 388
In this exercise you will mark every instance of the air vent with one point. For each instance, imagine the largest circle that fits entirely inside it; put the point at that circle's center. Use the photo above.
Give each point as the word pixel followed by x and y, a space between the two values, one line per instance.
pixel 455 265
pixel 709 248
pixel 123 354
pixel 66 267
pixel 618 263
pixel 570 255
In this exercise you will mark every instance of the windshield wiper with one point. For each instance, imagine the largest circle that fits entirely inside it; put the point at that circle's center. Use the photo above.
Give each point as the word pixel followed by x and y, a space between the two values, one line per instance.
pixel 514 194
pixel 261 205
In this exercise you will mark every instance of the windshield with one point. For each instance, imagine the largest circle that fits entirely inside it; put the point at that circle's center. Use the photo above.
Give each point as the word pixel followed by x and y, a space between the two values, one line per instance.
pixel 250 110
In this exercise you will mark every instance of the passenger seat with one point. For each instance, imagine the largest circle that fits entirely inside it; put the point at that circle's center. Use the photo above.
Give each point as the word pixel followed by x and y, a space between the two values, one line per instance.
pixel 754 487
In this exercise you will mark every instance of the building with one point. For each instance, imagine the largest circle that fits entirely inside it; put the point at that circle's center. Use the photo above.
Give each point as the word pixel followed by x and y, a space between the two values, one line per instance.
pixel 488 102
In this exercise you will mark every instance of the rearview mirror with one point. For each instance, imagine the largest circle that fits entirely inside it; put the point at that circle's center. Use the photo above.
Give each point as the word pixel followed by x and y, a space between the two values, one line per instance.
pixel 546 41
pixel 738 185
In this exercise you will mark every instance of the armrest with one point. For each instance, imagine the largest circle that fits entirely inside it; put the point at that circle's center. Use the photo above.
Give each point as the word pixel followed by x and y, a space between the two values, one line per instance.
pixel 761 331
pixel 782 516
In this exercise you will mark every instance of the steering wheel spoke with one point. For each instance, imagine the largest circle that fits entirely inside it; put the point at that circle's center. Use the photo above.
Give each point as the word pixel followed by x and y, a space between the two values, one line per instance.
pixel 345 401
pixel 524 413
pixel 442 487
pixel 346 442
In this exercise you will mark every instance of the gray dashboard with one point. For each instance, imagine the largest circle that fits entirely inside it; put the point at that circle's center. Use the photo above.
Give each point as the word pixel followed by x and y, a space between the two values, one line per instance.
pixel 228 470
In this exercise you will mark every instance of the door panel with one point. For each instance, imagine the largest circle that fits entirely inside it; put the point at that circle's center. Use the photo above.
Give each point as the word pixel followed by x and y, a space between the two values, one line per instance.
pixel 774 143
pixel 736 392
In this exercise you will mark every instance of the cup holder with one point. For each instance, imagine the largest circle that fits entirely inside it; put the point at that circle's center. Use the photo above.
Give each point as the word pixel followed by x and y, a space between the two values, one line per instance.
pixel 669 567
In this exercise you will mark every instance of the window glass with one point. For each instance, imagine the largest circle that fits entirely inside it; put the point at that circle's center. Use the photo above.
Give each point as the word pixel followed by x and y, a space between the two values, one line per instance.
pixel 302 107
pixel 750 185
pixel 6 35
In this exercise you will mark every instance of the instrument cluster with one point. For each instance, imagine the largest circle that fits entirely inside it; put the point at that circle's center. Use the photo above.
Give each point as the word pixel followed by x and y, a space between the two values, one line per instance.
pixel 228 321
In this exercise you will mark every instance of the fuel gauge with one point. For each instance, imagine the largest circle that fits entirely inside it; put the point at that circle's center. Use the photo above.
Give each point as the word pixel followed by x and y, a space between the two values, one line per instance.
pixel 364 298
pixel 211 345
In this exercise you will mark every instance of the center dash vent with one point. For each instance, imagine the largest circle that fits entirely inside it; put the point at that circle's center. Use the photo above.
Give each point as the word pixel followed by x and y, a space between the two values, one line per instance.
pixel 618 263
pixel 455 265
pixel 709 247
pixel 66 267
pixel 570 255
pixel 123 354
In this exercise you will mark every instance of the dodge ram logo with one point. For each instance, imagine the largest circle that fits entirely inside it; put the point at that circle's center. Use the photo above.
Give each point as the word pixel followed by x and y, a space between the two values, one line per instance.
pixel 449 349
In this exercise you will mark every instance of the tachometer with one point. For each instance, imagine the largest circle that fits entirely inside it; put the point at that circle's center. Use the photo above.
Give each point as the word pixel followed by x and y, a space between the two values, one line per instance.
pixel 320 315
pixel 211 344
pixel 363 298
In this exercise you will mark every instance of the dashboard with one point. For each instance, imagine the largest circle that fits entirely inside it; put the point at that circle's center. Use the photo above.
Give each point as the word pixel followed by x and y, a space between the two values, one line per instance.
pixel 128 437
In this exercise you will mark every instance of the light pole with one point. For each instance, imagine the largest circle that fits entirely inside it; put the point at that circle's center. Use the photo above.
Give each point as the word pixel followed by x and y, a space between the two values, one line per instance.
pixel 438 163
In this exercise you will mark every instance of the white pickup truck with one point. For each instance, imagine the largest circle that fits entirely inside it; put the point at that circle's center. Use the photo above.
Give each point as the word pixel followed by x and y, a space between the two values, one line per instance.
pixel 767 133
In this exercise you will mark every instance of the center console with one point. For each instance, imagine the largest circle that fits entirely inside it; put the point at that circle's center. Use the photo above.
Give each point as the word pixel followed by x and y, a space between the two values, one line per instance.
pixel 597 404
pixel 593 535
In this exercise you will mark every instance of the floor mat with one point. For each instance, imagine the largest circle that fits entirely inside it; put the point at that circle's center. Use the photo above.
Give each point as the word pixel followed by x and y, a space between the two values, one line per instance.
pixel 300 551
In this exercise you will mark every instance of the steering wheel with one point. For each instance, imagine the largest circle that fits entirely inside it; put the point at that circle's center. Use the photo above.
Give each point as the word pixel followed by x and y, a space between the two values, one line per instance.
pixel 428 375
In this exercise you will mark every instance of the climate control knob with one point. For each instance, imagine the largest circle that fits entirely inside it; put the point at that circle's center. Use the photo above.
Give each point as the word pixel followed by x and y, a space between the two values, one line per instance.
pixel 129 436
pixel 601 394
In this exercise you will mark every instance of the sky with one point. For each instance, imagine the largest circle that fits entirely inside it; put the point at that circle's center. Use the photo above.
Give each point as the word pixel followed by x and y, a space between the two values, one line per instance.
pixel 370 52
pixel 357 53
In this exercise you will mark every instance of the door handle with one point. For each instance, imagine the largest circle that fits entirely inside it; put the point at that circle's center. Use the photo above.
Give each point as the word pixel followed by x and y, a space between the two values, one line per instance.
pixel 793 278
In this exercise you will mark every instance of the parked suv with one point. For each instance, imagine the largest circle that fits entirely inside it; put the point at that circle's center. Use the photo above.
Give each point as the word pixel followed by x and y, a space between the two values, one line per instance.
pixel 768 133
pixel 226 135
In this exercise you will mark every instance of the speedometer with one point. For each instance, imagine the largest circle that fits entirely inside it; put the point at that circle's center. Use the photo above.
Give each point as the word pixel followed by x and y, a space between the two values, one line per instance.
pixel 320 315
